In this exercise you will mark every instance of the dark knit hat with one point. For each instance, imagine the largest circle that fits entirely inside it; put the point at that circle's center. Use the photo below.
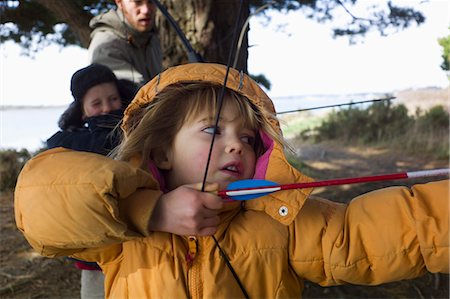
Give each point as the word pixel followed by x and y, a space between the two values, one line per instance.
pixel 90 76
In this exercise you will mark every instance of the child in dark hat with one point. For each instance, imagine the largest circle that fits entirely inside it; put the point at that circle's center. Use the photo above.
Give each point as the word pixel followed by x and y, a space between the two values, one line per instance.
pixel 99 101
pixel 88 125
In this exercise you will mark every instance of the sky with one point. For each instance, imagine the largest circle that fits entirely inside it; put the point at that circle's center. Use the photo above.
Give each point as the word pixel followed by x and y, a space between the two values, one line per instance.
pixel 300 59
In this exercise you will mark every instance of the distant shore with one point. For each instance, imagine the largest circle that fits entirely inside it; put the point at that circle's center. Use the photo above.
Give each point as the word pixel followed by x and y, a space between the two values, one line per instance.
pixel 30 107
pixel 423 98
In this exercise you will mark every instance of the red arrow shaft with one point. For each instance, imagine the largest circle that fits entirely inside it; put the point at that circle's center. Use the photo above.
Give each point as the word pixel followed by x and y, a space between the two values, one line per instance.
pixel 334 182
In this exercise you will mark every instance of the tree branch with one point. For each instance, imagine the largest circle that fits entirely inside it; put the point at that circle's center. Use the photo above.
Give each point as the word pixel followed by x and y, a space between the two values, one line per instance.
pixel 69 12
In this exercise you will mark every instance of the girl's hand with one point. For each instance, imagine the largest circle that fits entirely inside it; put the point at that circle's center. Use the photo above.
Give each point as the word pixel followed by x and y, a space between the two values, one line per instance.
pixel 188 211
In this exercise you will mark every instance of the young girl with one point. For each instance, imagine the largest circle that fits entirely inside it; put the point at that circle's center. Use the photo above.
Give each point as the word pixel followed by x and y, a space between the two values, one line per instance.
pixel 261 248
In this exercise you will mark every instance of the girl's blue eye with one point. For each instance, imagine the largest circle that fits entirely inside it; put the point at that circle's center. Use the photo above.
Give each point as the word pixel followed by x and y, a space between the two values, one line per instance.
pixel 248 139
pixel 210 130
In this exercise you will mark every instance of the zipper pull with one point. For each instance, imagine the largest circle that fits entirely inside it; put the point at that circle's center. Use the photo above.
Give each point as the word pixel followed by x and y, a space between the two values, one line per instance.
pixel 192 251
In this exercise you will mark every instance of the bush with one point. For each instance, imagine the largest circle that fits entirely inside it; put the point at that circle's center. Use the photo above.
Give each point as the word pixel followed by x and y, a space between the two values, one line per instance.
pixel 385 124
pixel 431 132
pixel 379 121
pixel 435 118
pixel 11 163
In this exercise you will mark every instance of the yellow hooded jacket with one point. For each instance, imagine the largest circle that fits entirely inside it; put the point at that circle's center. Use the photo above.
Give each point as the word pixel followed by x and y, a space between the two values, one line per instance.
pixel 97 209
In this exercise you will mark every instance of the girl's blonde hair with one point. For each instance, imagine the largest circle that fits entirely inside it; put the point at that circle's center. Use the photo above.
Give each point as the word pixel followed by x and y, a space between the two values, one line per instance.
pixel 154 128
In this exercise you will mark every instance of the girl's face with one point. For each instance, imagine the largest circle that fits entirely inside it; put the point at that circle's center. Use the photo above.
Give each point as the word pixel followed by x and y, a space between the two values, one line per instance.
pixel 233 157
pixel 101 99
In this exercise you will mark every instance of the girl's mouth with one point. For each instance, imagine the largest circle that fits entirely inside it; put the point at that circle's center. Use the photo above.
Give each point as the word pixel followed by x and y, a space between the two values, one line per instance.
pixel 233 169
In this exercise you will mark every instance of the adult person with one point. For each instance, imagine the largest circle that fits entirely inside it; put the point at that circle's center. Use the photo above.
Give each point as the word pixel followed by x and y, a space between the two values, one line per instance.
pixel 88 125
pixel 125 40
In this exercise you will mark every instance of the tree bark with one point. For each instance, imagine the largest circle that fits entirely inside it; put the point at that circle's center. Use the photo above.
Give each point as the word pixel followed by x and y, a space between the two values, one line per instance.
pixel 208 25
pixel 67 11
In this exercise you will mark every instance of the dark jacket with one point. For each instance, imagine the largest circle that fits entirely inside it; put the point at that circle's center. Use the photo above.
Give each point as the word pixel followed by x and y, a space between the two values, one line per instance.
pixel 98 136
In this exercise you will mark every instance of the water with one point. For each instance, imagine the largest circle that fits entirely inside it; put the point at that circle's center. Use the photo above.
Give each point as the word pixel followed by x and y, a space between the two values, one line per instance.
pixel 30 127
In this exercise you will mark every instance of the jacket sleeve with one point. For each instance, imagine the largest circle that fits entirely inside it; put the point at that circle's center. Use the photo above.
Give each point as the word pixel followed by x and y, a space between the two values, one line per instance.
pixel 385 235
pixel 68 201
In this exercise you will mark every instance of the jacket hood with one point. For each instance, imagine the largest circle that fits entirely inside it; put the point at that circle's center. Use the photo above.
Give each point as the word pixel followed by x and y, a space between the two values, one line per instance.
pixel 109 21
pixel 200 72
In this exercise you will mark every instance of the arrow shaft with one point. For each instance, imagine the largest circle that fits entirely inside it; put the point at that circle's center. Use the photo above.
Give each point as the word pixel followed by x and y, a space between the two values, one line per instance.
pixel 334 182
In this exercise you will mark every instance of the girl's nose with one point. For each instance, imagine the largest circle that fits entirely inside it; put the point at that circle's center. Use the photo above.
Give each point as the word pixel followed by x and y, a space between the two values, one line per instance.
pixel 235 146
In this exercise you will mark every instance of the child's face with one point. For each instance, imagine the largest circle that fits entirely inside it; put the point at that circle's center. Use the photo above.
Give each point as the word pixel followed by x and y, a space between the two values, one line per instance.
pixel 101 99
pixel 233 156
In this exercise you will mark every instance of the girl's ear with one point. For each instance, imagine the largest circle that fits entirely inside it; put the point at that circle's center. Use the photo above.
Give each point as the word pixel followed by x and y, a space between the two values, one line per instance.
pixel 162 159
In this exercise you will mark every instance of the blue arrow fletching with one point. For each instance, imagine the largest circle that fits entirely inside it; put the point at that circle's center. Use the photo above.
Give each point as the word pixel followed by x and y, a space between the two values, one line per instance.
pixel 244 184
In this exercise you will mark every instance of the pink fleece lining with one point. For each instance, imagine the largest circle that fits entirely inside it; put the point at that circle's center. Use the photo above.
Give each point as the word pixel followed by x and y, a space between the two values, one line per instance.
pixel 157 175
pixel 263 160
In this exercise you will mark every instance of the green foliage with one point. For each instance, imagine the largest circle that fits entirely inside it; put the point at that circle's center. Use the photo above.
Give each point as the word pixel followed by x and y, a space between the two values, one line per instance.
pixel 11 163
pixel 35 24
pixel 445 44
pixel 385 124
pixel 435 118
pixel 385 21
pixel 431 132
pixel 262 79
pixel 386 121
pixel 379 121
pixel 382 16
pixel 32 26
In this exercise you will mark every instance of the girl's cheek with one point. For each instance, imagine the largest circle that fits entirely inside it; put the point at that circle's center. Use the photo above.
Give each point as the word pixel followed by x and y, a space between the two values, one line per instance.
pixel 200 160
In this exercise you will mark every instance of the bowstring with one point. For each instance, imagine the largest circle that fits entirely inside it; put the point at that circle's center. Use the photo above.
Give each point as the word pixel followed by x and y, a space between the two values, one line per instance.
pixel 222 92
pixel 217 117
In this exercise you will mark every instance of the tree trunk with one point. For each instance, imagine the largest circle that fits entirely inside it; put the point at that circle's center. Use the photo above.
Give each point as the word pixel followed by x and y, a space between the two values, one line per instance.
pixel 67 11
pixel 208 25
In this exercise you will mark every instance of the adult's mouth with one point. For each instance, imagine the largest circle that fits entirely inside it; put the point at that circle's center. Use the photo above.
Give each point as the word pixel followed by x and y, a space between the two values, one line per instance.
pixel 145 21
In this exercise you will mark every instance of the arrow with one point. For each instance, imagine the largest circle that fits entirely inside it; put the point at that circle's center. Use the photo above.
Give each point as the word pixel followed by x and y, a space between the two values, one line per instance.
pixel 249 189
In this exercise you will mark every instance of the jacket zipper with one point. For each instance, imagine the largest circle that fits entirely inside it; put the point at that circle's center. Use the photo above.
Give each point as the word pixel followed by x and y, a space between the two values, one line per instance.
pixel 192 269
